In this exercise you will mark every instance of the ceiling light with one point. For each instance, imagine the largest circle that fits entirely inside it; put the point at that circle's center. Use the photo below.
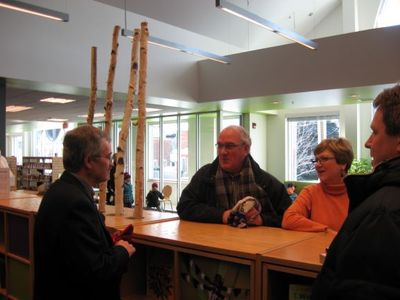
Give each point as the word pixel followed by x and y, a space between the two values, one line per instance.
pixel 255 19
pixel 17 108
pixel 34 10
pixel 57 100
pixel 148 109
pixel 178 47
pixel 56 120
pixel 96 115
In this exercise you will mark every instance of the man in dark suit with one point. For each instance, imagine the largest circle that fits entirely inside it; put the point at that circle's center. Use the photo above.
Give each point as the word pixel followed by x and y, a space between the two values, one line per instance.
pixel 75 257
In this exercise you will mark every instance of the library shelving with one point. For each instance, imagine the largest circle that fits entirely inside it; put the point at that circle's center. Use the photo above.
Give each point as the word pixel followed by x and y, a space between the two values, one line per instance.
pixel 40 170
pixel 16 253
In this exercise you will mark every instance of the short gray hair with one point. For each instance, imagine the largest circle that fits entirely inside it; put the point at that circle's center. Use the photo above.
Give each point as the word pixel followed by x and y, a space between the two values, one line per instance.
pixel 80 142
pixel 243 134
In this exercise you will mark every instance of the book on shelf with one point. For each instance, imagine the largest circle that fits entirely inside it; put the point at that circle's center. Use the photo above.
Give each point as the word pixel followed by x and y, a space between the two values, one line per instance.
pixel 299 292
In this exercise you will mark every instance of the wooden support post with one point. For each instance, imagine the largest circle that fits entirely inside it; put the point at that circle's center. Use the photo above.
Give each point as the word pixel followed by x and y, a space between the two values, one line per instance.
pixel 141 129
pixel 126 122
pixel 93 85
pixel 108 107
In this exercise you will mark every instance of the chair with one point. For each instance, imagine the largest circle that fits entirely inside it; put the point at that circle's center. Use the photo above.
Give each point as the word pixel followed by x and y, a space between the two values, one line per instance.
pixel 166 191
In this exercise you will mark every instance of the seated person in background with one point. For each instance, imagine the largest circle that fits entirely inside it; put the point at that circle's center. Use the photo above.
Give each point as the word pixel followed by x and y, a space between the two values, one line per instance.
pixel 323 206
pixel 291 191
pixel 128 193
pixel 215 189
pixel 111 182
pixel 152 198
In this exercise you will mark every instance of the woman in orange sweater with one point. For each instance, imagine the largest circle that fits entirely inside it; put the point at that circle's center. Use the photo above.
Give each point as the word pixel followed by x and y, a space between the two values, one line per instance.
pixel 323 206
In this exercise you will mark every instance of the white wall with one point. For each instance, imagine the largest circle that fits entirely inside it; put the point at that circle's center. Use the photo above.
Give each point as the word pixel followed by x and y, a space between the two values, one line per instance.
pixel 355 59
pixel 40 50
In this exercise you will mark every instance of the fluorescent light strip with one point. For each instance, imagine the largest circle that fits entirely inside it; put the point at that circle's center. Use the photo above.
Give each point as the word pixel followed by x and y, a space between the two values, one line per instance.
pixel 34 10
pixel 253 18
pixel 17 108
pixel 57 100
pixel 96 115
pixel 56 120
pixel 178 47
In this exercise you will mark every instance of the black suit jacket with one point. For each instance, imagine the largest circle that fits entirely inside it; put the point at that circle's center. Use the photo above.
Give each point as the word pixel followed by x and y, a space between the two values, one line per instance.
pixel 74 254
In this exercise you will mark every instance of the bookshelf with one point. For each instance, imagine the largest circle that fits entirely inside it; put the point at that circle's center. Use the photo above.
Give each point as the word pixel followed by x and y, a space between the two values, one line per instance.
pixel 40 170
pixel 16 254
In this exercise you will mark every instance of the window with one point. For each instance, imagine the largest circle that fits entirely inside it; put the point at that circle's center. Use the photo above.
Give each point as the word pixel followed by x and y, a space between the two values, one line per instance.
pixel 388 13
pixel 303 135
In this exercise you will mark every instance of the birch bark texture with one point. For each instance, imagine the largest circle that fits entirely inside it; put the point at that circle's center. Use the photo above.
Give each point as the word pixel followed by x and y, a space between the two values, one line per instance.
pixel 93 85
pixel 126 122
pixel 141 126
pixel 108 106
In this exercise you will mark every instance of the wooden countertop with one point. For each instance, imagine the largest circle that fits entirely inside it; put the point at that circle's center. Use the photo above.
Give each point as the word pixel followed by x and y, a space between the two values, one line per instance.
pixel 219 238
pixel 303 255
pixel 22 204
pixel 149 217
pixel 18 194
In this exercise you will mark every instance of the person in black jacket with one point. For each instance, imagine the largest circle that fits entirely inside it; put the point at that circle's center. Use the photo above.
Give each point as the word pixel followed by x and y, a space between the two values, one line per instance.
pixel 153 197
pixel 75 257
pixel 363 260
pixel 215 189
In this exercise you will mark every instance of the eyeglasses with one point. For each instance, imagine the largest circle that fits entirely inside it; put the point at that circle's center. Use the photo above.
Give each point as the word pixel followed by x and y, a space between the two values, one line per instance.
pixel 228 146
pixel 321 160
pixel 109 157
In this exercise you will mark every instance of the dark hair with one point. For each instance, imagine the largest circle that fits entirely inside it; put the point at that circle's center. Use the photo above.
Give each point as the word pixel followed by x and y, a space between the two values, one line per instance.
pixel 388 102
pixel 290 184
pixel 341 149
pixel 79 143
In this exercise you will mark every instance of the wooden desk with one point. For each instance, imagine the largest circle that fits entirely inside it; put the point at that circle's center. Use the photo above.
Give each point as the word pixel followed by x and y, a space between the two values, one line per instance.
pixel 218 238
pixel 19 194
pixel 217 242
pixel 22 205
pixel 298 263
pixel 114 222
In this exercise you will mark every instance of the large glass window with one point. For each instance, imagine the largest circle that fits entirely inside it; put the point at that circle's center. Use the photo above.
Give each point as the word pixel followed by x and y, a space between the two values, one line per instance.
pixel 48 142
pixel 303 135
pixel 153 150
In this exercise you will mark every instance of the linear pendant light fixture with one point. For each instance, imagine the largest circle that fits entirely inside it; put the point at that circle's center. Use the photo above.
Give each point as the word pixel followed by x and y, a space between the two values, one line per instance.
pixel 34 10
pixel 253 18
pixel 178 47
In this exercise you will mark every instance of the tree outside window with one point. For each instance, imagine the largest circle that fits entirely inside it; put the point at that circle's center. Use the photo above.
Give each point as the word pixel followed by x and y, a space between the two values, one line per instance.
pixel 304 134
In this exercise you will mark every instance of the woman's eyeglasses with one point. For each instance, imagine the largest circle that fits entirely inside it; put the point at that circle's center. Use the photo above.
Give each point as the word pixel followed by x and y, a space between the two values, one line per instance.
pixel 322 159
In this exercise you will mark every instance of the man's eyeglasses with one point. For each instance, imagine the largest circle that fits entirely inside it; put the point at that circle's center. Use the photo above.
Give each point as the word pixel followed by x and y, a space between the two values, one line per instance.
pixel 228 146
pixel 109 157
pixel 322 159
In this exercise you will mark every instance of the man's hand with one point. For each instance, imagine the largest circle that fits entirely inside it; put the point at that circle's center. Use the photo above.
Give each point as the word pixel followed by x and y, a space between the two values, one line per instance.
pixel 128 247
pixel 253 217
pixel 225 216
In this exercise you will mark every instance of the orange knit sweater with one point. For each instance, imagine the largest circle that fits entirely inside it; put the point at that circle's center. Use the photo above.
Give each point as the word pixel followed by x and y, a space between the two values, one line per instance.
pixel 317 208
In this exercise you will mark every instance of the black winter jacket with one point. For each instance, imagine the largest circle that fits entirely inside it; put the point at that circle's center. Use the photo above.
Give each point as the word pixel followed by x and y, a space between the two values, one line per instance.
pixel 198 201
pixel 363 261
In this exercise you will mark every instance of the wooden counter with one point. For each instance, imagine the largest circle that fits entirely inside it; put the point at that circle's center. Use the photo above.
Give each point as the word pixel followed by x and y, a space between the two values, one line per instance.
pixel 149 217
pixel 19 194
pixel 303 255
pixel 219 238
pixel 218 243
pixel 296 264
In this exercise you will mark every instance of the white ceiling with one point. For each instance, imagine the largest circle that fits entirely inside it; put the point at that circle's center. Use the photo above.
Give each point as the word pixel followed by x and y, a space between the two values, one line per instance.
pixel 197 17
